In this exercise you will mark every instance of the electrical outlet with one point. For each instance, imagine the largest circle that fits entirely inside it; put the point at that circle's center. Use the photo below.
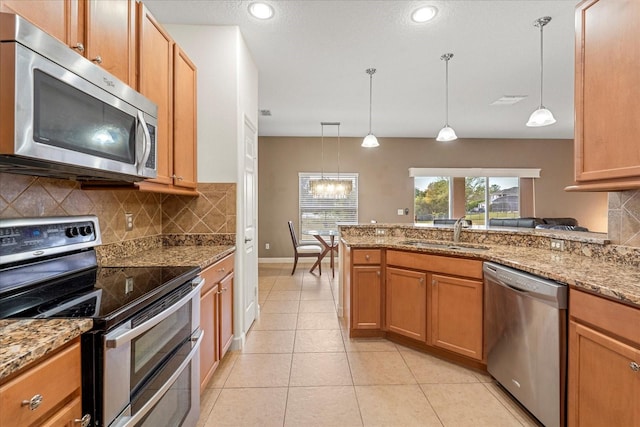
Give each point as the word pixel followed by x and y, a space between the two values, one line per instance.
pixel 380 231
pixel 557 245
pixel 128 285
pixel 400 211
pixel 128 221
pixel 267 246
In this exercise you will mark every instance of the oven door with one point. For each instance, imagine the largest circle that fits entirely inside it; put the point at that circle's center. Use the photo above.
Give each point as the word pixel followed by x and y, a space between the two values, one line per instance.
pixel 171 397
pixel 136 350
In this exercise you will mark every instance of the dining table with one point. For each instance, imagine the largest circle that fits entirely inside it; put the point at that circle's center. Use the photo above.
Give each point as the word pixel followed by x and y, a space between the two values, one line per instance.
pixel 329 246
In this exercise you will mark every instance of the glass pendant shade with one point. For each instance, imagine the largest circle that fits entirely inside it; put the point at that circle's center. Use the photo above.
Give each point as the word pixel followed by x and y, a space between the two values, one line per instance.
pixel 541 117
pixel 370 141
pixel 446 134
pixel 330 188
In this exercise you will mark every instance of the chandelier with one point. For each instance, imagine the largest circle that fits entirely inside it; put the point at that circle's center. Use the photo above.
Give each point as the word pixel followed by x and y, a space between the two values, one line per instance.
pixel 329 188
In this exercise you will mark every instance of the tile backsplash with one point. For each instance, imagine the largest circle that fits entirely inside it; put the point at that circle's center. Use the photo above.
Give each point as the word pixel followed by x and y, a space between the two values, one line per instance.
pixel 624 218
pixel 153 213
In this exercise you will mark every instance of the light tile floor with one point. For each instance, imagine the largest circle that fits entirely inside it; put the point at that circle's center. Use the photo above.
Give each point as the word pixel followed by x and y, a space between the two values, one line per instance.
pixel 300 368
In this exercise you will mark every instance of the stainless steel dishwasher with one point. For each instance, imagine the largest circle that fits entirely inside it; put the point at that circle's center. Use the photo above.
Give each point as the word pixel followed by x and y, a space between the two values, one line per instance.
pixel 525 328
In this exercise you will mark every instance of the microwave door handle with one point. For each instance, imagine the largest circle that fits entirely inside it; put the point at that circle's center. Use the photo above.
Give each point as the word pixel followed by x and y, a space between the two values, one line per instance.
pixel 130 334
pixel 151 403
pixel 146 144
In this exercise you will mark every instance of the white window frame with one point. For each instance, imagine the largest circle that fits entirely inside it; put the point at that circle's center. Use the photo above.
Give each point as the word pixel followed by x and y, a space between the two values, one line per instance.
pixel 305 200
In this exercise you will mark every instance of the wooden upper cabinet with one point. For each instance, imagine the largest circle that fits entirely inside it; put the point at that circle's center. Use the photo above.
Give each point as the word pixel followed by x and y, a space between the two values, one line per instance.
pixel 184 120
pixel 59 18
pixel 155 80
pixel 110 29
pixel 607 89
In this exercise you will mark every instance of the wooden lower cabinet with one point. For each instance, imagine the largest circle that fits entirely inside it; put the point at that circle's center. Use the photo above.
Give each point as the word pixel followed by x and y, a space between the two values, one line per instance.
pixel 367 295
pixel 216 316
pixel 406 303
pixel 456 309
pixel 57 380
pixel 604 362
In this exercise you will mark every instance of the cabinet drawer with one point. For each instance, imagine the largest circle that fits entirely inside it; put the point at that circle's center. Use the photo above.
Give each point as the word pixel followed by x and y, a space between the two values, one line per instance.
pixel 55 379
pixel 616 318
pixel 366 256
pixel 436 264
pixel 216 272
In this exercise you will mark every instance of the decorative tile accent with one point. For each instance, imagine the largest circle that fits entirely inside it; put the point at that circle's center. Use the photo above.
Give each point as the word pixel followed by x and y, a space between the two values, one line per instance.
pixel 624 218
pixel 213 212
pixel 210 218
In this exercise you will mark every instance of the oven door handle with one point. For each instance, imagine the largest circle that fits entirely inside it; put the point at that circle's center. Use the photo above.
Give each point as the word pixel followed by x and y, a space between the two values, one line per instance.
pixel 130 334
pixel 132 420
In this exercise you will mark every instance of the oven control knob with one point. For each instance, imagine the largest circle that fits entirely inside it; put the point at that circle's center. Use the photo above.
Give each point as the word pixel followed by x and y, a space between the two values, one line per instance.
pixel 86 230
pixel 71 231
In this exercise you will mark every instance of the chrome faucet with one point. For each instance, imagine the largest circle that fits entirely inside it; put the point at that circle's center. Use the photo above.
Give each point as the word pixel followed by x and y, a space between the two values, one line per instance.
pixel 457 228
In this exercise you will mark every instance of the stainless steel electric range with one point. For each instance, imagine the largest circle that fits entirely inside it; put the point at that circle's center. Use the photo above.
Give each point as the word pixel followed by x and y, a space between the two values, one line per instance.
pixel 140 362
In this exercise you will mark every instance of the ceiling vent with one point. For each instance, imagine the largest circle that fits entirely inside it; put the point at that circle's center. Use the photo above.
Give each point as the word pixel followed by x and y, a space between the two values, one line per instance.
pixel 265 112
pixel 508 100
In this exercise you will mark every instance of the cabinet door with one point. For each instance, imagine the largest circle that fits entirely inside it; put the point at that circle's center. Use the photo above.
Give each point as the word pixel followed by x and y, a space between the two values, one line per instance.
pixel 407 303
pixel 155 80
pixel 226 313
pixel 110 34
pixel 456 315
pixel 607 91
pixel 604 390
pixel 58 18
pixel 209 352
pixel 366 287
pixel 184 120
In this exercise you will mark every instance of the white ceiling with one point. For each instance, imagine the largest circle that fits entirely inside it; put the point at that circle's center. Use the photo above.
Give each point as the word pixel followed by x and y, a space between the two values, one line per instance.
pixel 312 56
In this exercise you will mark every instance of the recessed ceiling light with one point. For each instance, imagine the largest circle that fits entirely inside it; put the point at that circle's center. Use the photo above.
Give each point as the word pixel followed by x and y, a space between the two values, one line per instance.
pixel 508 100
pixel 260 10
pixel 424 14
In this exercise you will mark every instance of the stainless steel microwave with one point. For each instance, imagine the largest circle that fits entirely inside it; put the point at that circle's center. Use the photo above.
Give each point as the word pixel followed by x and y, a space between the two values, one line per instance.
pixel 62 116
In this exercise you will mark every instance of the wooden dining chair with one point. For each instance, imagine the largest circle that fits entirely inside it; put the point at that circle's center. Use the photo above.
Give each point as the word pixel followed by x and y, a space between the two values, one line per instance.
pixel 305 250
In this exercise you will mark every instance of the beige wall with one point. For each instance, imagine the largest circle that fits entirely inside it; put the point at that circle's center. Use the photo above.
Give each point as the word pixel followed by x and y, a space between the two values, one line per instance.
pixel 385 184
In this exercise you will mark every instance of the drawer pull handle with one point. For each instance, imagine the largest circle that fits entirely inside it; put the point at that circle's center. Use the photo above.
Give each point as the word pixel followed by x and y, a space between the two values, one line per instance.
pixel 97 59
pixel 84 421
pixel 221 270
pixel 33 403
pixel 634 366
pixel 79 47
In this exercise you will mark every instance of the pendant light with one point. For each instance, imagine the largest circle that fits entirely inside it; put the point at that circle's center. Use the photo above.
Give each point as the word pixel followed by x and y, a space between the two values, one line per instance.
pixel 446 133
pixel 542 116
pixel 329 188
pixel 370 140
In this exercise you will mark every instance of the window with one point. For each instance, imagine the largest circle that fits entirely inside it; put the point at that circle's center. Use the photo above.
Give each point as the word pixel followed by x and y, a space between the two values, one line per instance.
pixel 488 193
pixel 432 199
pixel 323 214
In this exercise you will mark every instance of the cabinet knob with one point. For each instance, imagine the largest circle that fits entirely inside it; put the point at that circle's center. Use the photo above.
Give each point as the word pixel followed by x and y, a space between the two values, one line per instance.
pixel 33 403
pixel 221 270
pixel 179 178
pixel 634 366
pixel 421 280
pixel 367 257
pixel 434 282
pixel 79 47
pixel 84 421
pixel 378 273
pixel 97 59
pixel 224 289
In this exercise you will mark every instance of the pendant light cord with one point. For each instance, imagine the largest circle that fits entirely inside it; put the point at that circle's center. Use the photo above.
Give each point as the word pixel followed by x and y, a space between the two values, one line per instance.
pixel 370 71
pixel 322 151
pixel 338 151
pixel 541 62
pixel 446 97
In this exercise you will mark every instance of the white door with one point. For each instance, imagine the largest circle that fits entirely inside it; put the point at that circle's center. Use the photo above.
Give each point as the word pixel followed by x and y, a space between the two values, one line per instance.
pixel 250 225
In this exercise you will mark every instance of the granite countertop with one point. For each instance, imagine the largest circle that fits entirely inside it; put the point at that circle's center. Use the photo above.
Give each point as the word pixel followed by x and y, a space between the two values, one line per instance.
pixel 201 256
pixel 613 280
pixel 24 341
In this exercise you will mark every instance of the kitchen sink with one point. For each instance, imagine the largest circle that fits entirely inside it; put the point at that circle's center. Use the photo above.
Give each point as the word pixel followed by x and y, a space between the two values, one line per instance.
pixel 444 245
